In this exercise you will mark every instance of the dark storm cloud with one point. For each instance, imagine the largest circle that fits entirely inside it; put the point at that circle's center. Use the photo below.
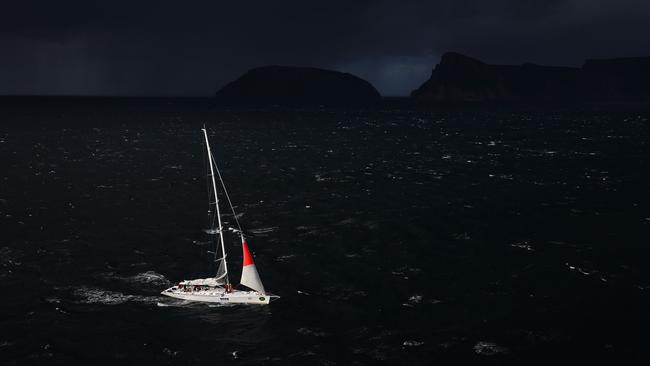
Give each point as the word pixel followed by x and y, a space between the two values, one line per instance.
pixel 192 48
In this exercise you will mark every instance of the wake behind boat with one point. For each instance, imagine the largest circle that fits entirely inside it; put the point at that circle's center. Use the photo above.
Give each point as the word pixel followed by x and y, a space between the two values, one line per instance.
pixel 219 289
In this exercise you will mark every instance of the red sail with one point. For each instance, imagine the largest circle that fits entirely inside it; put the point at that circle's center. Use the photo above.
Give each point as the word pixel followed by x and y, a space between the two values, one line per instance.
pixel 249 276
pixel 248 258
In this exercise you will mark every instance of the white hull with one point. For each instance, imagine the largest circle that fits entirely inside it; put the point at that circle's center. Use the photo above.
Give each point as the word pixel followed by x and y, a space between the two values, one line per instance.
pixel 219 295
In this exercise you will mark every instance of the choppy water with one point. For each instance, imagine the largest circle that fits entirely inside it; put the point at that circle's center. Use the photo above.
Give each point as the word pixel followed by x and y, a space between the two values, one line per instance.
pixel 393 236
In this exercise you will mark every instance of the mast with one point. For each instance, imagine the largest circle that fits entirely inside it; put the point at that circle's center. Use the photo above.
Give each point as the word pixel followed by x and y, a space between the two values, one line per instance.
pixel 216 202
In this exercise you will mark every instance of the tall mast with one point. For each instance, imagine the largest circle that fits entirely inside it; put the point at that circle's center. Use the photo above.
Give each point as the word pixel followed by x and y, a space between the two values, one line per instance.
pixel 216 200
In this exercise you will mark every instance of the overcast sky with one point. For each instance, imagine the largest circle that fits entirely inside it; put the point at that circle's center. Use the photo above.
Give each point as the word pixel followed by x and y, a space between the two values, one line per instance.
pixel 191 48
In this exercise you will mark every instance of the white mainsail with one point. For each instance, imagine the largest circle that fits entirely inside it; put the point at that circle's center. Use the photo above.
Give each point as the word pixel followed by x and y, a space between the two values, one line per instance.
pixel 249 276
pixel 222 272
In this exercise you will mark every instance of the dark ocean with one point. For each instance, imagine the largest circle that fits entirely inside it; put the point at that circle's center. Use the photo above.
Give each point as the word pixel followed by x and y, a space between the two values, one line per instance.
pixel 512 235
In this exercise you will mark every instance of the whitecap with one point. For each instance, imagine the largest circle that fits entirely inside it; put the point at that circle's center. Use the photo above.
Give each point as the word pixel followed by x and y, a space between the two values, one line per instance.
pixel 522 245
pixel 412 343
pixel 415 299
pixel 169 352
pixel 488 349
pixel 579 269
pixel 319 178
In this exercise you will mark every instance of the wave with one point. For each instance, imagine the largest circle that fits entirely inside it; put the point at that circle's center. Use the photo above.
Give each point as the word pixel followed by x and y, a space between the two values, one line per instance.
pixel 284 258
pixel 197 242
pixel 152 278
pixel 171 302
pixel 312 332
pixel 178 303
pixel 523 245
pixel 489 349
pixel 263 230
pixel 348 221
pixel 225 305
pixel 88 295
pixel 412 343
pixel 149 277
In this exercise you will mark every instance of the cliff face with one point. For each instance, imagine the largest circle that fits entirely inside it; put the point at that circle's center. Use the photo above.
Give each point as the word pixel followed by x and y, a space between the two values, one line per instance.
pixel 297 86
pixel 459 78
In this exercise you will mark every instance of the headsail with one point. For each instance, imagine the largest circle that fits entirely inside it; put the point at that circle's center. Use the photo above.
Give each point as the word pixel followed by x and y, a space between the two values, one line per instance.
pixel 249 276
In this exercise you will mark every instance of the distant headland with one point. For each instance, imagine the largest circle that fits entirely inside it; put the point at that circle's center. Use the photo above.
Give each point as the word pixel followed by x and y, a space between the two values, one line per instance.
pixel 459 78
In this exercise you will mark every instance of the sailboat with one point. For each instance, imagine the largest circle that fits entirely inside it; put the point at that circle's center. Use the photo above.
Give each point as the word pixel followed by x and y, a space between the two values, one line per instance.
pixel 219 289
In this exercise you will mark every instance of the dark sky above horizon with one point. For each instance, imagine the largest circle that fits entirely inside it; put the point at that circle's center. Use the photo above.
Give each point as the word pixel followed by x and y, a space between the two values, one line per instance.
pixel 192 48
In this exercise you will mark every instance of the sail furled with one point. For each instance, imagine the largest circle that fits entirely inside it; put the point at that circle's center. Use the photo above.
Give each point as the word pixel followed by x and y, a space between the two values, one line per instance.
pixel 211 282
pixel 249 276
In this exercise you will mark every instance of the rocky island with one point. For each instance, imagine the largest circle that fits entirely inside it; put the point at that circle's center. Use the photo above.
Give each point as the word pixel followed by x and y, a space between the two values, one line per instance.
pixel 286 85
